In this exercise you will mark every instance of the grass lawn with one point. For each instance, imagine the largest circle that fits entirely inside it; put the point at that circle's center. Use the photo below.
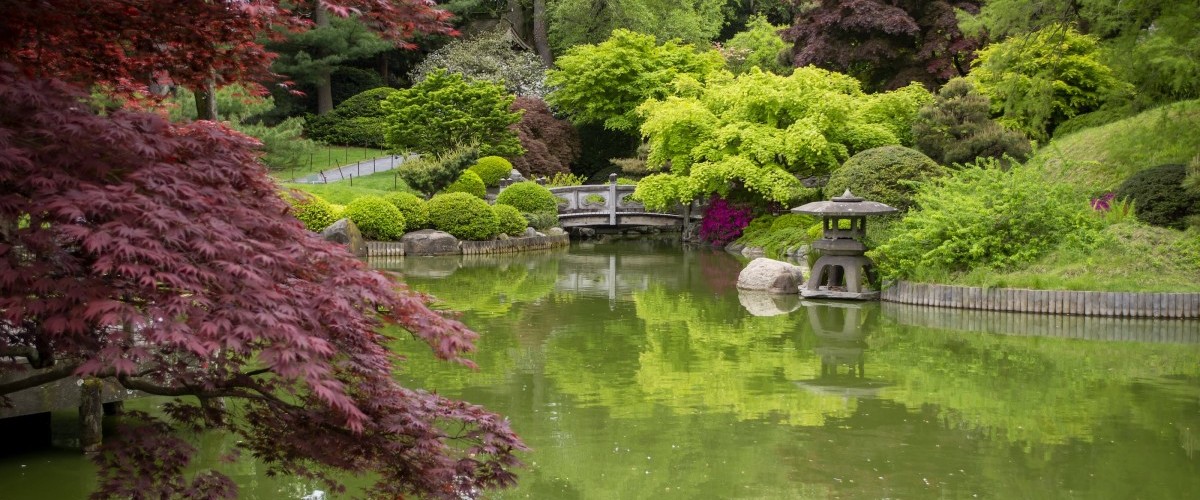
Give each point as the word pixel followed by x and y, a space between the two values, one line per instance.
pixel 1098 159
pixel 342 192
pixel 325 158
pixel 1132 258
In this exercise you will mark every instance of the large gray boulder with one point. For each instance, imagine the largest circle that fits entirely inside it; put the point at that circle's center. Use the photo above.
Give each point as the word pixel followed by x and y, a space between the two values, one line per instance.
pixel 430 242
pixel 771 276
pixel 345 232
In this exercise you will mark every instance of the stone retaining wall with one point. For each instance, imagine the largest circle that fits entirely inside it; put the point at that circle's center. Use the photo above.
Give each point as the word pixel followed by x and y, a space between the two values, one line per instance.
pixel 514 245
pixel 1064 302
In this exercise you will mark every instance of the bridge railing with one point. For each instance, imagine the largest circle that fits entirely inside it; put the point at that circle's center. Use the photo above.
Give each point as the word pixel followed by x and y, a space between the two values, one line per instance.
pixel 589 204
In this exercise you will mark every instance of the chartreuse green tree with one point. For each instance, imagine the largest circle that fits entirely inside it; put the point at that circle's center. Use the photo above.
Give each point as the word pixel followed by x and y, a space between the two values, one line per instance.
pixel 764 131
pixel 445 110
pixel 1039 80
pixel 158 256
pixel 577 22
pixel 759 45
pixel 604 83
pixel 1152 44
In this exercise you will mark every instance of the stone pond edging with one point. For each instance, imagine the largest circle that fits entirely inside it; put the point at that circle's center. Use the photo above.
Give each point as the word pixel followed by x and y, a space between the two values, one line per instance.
pixel 512 245
pixel 1063 302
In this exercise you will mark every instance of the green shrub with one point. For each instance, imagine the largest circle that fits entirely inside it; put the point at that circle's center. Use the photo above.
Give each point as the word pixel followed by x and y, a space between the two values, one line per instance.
pixel 957 128
pixel 464 216
pixel 316 213
pixel 985 218
pixel 1159 197
pixel 416 214
pixel 541 221
pixel 357 121
pixel 885 174
pixel 564 179
pixel 430 174
pixel 376 218
pixel 786 221
pixel 492 169
pixel 511 221
pixel 528 197
pixel 468 182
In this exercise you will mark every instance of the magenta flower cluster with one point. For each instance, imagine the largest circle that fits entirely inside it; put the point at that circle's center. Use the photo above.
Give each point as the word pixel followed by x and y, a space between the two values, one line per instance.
pixel 1103 203
pixel 723 221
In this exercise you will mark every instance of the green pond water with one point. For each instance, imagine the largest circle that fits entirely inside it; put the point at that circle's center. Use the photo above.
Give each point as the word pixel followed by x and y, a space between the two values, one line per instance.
pixel 636 370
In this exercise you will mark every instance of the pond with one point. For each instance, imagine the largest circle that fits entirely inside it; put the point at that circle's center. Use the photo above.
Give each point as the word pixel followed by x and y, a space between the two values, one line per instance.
pixel 636 370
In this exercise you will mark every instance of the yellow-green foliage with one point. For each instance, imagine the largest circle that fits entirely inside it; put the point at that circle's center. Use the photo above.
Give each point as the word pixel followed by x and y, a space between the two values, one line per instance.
pixel 316 213
pixel 763 130
pixel 510 220
pixel 416 214
pixel 491 169
pixel 376 218
pixel 777 234
pixel 986 218
pixel 464 216
pixel 1041 79
pixel 467 182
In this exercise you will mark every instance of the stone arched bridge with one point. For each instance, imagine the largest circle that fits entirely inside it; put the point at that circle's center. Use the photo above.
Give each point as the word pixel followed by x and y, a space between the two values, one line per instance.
pixel 609 205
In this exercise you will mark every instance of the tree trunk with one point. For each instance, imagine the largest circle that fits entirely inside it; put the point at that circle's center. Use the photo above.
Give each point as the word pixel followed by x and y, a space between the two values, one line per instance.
pixel 91 415
pixel 206 101
pixel 324 83
pixel 541 40
pixel 519 19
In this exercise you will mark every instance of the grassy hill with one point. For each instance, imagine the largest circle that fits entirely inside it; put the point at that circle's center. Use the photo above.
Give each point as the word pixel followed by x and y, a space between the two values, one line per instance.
pixel 1099 158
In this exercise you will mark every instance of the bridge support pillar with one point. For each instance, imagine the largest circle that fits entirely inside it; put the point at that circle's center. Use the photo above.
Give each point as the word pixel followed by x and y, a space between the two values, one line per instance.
pixel 91 415
pixel 612 199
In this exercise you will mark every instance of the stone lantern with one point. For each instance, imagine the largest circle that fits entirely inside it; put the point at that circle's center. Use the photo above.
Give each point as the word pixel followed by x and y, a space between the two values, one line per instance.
pixel 842 272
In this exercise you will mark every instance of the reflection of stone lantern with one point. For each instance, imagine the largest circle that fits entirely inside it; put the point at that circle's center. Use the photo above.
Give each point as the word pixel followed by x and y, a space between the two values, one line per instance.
pixel 841 330
pixel 842 272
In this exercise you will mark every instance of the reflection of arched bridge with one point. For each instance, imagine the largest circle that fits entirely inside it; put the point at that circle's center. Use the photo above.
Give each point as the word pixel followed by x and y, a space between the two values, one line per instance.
pixel 601 205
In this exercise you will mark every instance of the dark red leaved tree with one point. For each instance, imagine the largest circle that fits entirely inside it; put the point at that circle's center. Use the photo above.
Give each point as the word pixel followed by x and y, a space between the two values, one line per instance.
pixel 160 256
pixel 551 144
pixel 885 43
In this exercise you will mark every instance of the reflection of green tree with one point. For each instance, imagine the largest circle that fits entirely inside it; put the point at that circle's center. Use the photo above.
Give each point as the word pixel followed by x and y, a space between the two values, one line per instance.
pixel 697 353
pixel 1029 390
pixel 490 292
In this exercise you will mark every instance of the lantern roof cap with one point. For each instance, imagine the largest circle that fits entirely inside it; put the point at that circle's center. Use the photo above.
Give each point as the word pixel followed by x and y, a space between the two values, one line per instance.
pixel 845 205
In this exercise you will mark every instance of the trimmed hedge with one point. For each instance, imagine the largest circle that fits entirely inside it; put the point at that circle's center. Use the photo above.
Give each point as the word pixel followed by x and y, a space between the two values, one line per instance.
pixel 316 213
pixel 376 218
pixel 464 216
pixel 492 169
pixel 884 174
pixel 416 214
pixel 511 221
pixel 1159 197
pixel 357 121
pixel 468 182
pixel 529 197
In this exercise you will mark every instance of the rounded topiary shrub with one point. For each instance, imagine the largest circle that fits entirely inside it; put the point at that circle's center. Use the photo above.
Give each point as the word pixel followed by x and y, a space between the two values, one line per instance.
pixel 491 169
pixel 416 214
pixel 529 197
pixel 511 221
pixel 464 216
pixel 316 213
pixel 885 174
pixel 467 182
pixel 357 121
pixel 376 218
pixel 1159 197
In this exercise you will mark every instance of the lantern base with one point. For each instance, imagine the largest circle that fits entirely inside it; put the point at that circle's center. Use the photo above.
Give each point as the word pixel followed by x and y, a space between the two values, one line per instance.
pixel 825 293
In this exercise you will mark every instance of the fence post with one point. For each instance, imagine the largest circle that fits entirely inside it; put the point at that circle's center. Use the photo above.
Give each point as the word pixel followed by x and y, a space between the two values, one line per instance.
pixel 612 199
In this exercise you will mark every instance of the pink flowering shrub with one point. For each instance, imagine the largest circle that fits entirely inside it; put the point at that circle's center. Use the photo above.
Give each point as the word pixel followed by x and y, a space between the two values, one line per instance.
pixel 723 221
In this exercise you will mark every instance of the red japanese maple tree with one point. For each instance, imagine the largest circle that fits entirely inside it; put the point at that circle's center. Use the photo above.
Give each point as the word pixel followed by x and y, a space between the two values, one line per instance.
pixel 160 256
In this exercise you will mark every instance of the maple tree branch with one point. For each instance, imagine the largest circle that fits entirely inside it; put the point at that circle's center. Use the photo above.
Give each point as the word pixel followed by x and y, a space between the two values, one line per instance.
pixel 45 376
